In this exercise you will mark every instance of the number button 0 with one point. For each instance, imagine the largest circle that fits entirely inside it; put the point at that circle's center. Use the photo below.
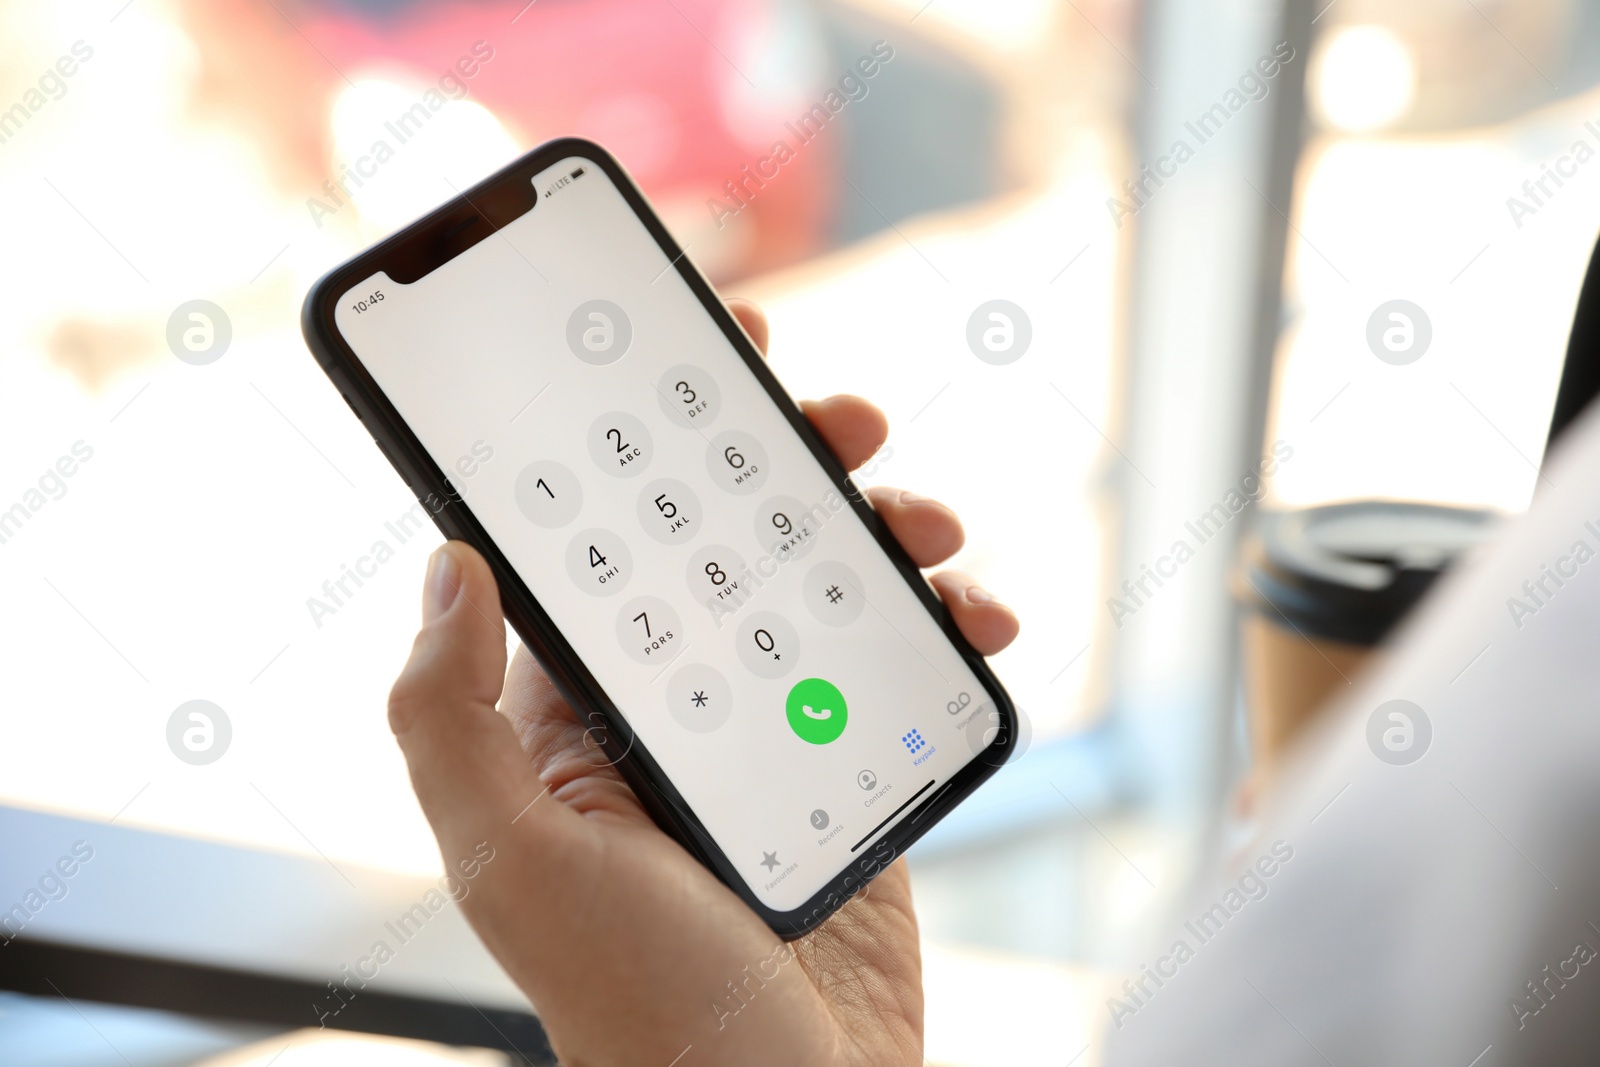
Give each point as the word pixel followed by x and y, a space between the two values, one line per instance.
pixel 548 494
pixel 717 578
pixel 599 562
pixel 669 511
pixel 689 396
pixel 649 630
pixel 737 462
pixel 768 645
pixel 786 528
pixel 620 445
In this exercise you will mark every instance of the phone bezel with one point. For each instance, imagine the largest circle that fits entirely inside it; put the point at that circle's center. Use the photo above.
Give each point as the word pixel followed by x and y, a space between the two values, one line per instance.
pixel 440 236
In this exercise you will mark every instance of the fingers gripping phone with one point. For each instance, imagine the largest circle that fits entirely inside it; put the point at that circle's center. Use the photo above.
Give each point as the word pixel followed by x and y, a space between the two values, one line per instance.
pixel 759 658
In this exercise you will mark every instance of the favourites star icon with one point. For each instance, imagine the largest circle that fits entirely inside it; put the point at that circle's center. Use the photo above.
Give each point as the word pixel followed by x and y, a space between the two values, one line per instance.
pixel 769 860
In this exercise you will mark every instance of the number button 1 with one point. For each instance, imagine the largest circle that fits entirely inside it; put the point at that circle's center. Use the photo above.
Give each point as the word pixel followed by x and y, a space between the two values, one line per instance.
pixel 548 494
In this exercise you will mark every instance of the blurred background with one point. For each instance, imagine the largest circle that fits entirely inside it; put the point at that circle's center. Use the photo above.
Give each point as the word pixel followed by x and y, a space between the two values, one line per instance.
pixel 154 152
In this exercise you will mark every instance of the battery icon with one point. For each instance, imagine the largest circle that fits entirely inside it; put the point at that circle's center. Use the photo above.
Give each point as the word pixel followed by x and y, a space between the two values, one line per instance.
pixel 576 174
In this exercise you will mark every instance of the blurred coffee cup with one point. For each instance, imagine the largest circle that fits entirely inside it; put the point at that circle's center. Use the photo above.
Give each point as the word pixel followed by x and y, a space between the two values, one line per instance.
pixel 1323 588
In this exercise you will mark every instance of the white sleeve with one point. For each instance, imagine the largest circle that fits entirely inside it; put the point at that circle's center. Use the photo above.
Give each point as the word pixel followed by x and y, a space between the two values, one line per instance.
pixel 1444 911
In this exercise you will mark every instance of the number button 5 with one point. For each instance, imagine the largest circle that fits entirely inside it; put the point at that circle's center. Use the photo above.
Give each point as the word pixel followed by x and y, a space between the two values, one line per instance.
pixel 669 511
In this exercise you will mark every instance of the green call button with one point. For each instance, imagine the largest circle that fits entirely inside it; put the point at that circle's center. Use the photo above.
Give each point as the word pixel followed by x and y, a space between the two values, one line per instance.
pixel 817 712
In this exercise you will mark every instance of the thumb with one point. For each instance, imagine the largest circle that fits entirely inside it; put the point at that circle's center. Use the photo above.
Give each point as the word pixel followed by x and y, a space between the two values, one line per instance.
pixel 467 768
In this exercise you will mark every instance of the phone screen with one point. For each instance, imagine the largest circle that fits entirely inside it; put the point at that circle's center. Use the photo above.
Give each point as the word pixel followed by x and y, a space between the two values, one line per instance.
pixel 683 537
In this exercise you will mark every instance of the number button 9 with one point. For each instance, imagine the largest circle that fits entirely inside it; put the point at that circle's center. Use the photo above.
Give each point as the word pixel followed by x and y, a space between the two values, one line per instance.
pixel 786 528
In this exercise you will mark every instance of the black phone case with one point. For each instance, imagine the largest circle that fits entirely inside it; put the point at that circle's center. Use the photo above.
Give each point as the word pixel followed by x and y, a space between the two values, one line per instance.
pixel 440 236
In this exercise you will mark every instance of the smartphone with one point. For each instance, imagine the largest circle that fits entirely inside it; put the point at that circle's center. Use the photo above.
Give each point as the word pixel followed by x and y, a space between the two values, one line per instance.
pixel 746 642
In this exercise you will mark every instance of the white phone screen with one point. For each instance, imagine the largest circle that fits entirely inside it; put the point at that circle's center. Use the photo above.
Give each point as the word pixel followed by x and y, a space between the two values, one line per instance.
pixel 676 528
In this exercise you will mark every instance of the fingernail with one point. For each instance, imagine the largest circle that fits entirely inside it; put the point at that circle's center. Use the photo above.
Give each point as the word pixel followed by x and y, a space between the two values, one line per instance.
pixel 908 497
pixel 442 585
pixel 977 594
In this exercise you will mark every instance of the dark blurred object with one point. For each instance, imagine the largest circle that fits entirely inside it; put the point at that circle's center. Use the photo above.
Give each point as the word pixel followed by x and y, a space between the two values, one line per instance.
pixel 1324 586
pixel 250 940
pixel 1580 375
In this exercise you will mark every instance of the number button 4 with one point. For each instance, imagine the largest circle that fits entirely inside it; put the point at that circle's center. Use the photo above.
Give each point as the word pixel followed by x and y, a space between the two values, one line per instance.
pixel 599 562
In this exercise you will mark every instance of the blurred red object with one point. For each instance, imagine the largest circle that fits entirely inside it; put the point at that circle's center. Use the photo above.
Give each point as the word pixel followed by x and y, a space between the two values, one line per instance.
pixel 684 92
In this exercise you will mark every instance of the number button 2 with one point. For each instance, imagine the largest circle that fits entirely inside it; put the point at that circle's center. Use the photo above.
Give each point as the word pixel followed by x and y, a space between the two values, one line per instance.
pixel 620 445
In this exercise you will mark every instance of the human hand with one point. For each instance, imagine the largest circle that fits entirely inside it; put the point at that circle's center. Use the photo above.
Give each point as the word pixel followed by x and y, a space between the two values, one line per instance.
pixel 629 949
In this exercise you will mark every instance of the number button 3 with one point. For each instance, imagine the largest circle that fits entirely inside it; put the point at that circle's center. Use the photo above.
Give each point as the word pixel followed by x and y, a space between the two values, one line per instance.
pixel 689 396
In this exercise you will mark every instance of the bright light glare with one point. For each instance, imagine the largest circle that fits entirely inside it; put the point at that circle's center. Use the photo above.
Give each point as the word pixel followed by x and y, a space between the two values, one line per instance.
pixel 994 1009
pixel 1366 79
pixel 1012 26
pixel 397 144
pixel 313 1048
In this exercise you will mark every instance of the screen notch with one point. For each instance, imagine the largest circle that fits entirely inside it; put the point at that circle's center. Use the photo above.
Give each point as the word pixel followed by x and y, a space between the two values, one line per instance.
pixel 471 217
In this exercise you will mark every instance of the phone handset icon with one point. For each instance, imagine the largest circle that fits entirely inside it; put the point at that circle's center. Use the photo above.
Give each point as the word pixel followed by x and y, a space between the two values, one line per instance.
pixel 816 711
